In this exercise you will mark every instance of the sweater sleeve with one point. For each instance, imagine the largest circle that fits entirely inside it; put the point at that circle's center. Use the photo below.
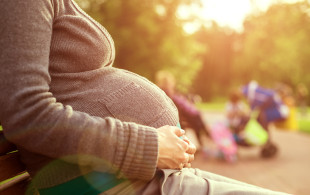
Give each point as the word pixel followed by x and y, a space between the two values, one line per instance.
pixel 35 121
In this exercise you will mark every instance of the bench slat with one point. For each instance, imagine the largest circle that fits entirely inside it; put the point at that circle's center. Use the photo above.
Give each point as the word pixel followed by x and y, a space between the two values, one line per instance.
pixel 16 186
pixel 20 181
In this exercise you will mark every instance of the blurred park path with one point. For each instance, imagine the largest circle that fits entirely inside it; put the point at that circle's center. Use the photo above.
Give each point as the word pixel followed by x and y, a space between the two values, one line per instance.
pixel 288 172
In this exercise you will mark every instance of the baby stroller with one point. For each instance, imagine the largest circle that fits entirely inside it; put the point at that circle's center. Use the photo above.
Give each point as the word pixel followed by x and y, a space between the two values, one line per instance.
pixel 270 108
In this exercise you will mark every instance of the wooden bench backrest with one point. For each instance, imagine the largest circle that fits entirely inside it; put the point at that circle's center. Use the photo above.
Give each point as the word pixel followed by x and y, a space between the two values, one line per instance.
pixel 13 176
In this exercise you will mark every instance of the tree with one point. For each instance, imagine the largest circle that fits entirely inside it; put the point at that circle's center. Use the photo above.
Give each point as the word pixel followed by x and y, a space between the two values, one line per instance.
pixel 275 46
pixel 215 75
pixel 148 36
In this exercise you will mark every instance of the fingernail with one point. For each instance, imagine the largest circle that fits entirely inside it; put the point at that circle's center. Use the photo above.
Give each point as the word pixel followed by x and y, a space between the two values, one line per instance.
pixel 182 131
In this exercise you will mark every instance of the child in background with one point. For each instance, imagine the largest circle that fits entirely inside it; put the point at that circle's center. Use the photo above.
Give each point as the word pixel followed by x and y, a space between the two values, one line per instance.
pixel 287 97
pixel 301 96
pixel 237 114
pixel 190 116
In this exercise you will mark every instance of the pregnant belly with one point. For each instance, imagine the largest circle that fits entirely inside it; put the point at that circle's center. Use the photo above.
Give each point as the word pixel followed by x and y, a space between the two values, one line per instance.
pixel 112 92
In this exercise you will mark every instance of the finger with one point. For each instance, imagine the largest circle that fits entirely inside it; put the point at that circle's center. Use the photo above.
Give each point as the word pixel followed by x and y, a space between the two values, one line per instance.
pixel 191 148
pixel 184 159
pixel 184 146
pixel 181 166
pixel 187 165
pixel 185 138
pixel 179 132
pixel 191 158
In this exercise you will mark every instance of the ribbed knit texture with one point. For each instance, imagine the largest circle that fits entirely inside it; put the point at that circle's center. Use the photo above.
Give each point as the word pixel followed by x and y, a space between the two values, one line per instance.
pixel 61 100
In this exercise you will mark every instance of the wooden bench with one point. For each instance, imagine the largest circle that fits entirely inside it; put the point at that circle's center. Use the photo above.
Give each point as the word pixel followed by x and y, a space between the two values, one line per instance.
pixel 14 178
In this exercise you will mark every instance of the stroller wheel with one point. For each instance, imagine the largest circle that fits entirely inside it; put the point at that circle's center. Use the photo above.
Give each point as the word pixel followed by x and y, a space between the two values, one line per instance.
pixel 269 150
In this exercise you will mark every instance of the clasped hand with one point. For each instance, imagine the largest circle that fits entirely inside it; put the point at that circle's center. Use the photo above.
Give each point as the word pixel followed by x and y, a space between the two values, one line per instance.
pixel 174 152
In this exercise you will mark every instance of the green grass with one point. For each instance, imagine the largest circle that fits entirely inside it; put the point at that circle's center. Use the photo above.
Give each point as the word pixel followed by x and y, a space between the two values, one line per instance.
pixel 304 125
pixel 219 106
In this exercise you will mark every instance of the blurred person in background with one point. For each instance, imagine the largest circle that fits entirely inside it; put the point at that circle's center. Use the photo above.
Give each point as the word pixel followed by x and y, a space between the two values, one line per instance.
pixel 190 116
pixel 237 113
pixel 288 99
pixel 301 97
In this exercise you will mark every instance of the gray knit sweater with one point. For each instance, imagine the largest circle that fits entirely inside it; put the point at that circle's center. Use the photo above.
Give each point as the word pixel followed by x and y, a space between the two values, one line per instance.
pixel 64 106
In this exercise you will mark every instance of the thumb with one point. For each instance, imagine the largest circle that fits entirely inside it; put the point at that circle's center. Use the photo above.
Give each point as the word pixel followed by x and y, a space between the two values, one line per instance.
pixel 179 132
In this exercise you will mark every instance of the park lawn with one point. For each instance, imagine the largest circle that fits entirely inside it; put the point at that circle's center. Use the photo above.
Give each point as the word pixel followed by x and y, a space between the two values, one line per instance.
pixel 216 106
pixel 304 125
pixel 219 106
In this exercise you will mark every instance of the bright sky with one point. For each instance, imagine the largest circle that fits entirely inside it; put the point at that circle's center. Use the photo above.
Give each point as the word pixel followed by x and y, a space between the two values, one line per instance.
pixel 226 12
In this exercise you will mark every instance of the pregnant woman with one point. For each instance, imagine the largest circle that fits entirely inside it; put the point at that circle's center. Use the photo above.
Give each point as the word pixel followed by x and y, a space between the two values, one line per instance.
pixel 82 126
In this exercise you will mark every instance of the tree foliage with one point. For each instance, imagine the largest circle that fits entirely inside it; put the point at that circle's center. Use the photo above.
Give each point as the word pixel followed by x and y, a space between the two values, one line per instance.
pixel 275 46
pixel 148 36
pixel 214 77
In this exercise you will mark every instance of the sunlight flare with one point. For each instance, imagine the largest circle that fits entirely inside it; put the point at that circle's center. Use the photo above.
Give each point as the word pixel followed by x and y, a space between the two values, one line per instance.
pixel 225 13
